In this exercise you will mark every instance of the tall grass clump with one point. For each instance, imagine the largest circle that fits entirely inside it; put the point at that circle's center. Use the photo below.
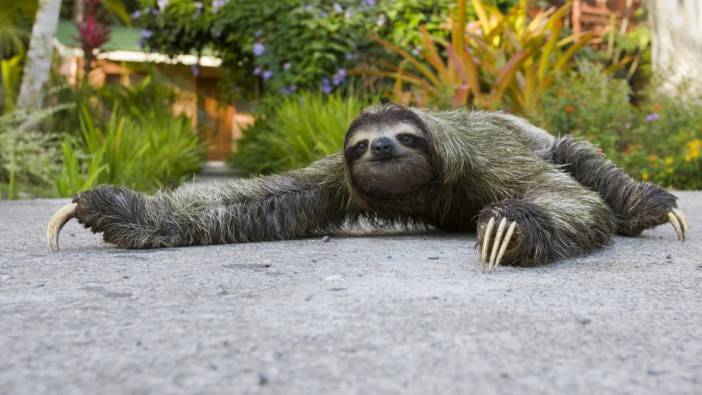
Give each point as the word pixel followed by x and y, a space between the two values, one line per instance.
pixel 294 132
pixel 145 153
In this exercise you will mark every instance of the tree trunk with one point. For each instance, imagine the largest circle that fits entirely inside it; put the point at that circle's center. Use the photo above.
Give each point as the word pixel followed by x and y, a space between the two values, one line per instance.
pixel 38 62
pixel 676 34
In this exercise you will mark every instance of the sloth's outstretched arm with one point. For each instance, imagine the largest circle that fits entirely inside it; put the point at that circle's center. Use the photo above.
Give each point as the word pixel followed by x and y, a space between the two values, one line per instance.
pixel 637 205
pixel 555 218
pixel 292 205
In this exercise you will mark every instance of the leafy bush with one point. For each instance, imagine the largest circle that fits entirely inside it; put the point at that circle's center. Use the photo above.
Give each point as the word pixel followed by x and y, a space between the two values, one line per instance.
pixel 27 157
pixel 658 141
pixel 502 58
pixel 144 153
pixel 290 44
pixel 297 130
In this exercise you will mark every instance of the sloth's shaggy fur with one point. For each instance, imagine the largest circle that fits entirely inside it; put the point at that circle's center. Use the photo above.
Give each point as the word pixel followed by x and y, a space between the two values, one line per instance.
pixel 565 196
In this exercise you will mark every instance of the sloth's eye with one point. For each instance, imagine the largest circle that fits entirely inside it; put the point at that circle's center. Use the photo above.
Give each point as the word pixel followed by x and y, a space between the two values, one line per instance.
pixel 405 138
pixel 361 146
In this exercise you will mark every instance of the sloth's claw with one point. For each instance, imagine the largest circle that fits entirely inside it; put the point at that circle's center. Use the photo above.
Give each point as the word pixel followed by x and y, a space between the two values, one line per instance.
pixel 486 242
pixel 679 222
pixel 499 246
pixel 56 223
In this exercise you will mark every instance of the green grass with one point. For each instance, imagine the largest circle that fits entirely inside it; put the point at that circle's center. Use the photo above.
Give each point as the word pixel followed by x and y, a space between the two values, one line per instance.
pixel 294 132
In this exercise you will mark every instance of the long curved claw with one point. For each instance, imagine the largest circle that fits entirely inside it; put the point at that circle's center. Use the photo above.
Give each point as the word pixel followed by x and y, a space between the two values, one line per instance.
pixel 56 223
pixel 683 221
pixel 498 240
pixel 505 242
pixel 486 243
pixel 676 225
pixel 495 249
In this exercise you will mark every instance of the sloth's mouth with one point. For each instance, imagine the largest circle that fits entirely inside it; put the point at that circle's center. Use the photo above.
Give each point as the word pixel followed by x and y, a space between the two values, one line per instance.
pixel 389 158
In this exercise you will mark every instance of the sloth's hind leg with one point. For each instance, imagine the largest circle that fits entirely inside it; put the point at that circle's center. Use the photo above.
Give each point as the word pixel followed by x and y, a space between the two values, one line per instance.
pixel 636 205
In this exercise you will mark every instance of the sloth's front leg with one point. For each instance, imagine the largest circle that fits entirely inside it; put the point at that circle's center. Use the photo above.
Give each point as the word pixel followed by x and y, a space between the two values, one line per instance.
pixel 545 225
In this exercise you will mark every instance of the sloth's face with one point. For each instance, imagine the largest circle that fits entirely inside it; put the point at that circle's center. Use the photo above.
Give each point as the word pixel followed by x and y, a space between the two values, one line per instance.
pixel 389 159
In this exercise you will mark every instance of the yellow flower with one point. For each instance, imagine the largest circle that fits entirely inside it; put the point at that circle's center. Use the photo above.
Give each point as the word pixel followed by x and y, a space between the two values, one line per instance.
pixel 669 170
pixel 669 161
pixel 688 158
pixel 645 176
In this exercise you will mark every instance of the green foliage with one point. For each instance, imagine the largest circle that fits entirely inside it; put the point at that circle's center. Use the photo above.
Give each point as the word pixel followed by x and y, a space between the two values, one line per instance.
pixel 142 153
pixel 588 103
pixel 290 44
pixel 27 157
pixel 503 58
pixel 295 131
pixel 658 141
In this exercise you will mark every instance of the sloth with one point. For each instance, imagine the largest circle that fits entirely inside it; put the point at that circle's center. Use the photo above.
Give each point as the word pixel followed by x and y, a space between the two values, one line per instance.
pixel 531 197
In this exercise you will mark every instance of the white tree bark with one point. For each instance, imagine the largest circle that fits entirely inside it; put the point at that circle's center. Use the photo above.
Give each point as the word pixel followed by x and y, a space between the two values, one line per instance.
pixel 676 34
pixel 38 62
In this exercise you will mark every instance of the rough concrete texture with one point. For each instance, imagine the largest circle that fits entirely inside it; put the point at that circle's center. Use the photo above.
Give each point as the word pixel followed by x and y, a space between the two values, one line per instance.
pixel 377 314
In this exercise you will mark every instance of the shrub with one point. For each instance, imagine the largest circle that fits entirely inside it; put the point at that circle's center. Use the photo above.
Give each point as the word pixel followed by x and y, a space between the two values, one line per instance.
pixel 27 157
pixel 589 103
pixel 295 131
pixel 143 153
pixel 658 141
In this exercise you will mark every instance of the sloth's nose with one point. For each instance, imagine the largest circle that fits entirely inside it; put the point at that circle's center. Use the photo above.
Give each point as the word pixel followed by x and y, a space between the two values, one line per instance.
pixel 382 148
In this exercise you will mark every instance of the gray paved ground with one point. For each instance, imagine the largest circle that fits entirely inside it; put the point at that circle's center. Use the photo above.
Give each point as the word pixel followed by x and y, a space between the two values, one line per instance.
pixel 392 314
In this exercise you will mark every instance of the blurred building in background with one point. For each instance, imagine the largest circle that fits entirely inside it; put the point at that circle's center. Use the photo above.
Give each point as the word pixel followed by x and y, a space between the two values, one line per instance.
pixel 195 79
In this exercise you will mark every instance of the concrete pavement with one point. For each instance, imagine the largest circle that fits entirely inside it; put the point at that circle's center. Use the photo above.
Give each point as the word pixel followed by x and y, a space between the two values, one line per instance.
pixel 355 314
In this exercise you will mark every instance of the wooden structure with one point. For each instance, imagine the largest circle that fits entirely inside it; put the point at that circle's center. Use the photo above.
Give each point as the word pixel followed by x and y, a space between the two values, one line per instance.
pixel 599 16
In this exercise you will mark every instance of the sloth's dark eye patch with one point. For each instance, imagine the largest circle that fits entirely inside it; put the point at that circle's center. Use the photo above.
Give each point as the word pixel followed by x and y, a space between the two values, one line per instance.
pixel 411 140
pixel 356 151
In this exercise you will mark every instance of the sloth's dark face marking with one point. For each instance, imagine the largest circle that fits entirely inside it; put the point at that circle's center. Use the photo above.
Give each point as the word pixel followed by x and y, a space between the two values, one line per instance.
pixel 389 154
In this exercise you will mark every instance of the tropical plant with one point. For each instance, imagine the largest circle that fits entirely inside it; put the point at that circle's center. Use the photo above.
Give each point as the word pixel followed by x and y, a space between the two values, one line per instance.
pixel 295 131
pixel 500 58
pixel 142 153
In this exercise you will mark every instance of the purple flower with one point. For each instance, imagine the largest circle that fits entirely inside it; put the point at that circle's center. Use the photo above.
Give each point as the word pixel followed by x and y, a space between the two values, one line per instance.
pixel 286 66
pixel 146 34
pixel 136 14
pixel 349 56
pixel 257 71
pixel 369 3
pixel 259 49
pixel 162 4
pixel 288 89
pixel 348 14
pixel 338 8
pixel 195 69
pixel 339 77
pixel 267 75
pixel 652 117
pixel 326 88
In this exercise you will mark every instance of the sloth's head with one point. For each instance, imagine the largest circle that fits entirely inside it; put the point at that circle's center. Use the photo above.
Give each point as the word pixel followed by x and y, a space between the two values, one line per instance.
pixel 388 152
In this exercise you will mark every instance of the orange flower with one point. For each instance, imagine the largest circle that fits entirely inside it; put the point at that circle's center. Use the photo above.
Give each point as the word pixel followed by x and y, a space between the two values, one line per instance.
pixel 568 109
pixel 657 107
